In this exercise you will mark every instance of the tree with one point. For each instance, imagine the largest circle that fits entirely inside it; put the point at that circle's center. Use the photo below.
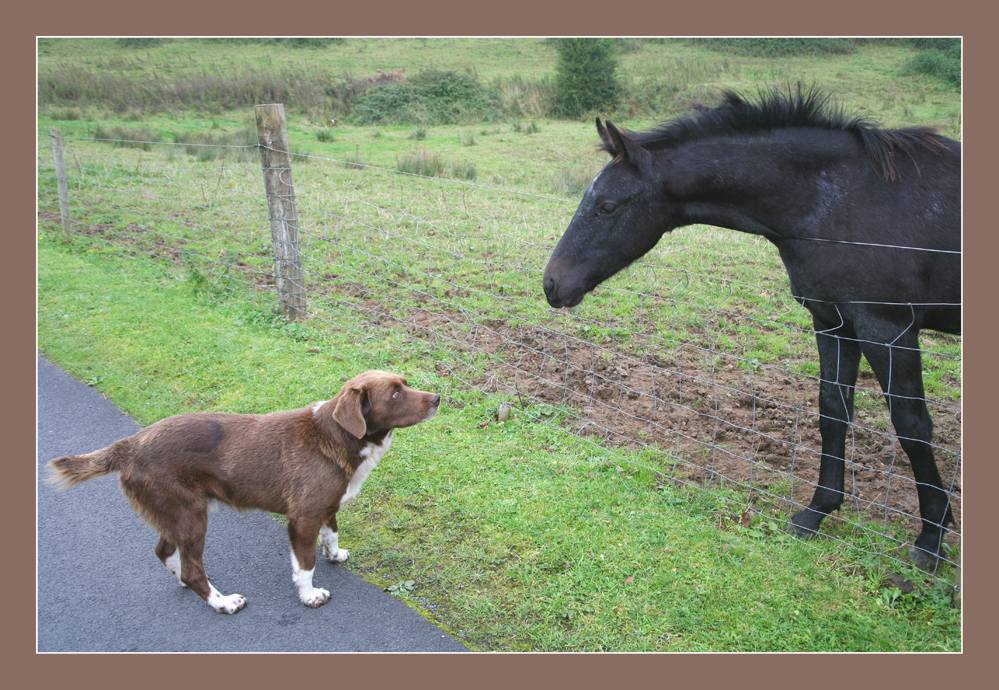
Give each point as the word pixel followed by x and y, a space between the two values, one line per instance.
pixel 585 80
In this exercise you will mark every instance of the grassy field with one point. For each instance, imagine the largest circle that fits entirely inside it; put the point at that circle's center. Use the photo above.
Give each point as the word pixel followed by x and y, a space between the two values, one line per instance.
pixel 570 526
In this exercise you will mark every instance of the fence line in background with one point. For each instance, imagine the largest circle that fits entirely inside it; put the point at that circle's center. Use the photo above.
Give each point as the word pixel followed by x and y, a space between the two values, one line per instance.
pixel 289 280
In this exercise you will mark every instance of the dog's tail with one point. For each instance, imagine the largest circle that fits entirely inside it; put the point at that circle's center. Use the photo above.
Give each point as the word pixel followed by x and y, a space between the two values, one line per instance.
pixel 70 470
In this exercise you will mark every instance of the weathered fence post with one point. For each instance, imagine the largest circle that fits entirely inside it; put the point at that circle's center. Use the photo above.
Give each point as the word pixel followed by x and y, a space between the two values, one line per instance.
pixel 60 167
pixel 272 135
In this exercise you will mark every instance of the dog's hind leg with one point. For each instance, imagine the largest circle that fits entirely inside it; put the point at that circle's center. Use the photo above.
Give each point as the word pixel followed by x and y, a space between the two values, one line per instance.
pixel 302 533
pixel 191 523
pixel 169 555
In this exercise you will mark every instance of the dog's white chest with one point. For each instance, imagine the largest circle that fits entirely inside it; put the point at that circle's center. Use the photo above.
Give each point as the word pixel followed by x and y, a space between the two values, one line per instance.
pixel 370 455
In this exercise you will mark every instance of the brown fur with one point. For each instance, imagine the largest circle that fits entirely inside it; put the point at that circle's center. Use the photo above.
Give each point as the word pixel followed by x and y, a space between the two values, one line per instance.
pixel 297 463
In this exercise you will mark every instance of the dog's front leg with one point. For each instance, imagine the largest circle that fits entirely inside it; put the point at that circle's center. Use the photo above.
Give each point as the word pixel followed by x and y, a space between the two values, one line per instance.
pixel 302 533
pixel 330 539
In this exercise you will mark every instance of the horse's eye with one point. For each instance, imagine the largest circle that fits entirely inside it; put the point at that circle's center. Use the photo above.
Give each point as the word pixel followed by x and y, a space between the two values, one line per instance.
pixel 606 207
pixel 395 395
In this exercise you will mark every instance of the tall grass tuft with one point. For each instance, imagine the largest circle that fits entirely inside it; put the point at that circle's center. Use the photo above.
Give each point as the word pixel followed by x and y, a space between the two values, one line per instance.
pixel 126 137
pixel 421 162
pixel 202 145
pixel 463 170
pixel 573 181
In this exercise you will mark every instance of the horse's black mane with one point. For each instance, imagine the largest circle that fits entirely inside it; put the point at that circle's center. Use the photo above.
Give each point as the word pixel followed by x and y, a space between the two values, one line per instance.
pixel 792 107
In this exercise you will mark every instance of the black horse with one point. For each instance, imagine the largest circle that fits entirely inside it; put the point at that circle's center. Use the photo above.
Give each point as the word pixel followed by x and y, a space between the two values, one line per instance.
pixel 867 223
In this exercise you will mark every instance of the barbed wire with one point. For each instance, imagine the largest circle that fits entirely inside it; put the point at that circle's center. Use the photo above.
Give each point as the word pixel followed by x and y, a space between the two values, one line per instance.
pixel 511 355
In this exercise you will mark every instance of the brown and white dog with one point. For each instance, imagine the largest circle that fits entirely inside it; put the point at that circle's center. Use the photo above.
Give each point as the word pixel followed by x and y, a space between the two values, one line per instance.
pixel 304 464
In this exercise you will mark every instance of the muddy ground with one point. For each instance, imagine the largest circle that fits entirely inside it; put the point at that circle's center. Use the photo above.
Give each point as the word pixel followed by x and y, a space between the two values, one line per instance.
pixel 723 423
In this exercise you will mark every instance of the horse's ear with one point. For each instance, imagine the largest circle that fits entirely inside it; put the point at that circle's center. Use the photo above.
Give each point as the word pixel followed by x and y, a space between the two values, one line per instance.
pixel 608 145
pixel 634 153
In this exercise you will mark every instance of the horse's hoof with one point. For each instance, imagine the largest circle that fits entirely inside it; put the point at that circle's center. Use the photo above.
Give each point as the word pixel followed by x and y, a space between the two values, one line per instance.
pixel 805 524
pixel 923 559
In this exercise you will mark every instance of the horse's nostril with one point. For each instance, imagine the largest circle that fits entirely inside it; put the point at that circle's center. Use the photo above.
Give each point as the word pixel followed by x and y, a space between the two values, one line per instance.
pixel 435 401
pixel 549 286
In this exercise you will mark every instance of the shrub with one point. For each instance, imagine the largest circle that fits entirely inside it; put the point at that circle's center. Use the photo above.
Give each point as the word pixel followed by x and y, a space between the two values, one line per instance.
pixel 585 78
pixel 325 135
pixel 136 42
pixel 779 47
pixel 431 97
pixel 943 61
pixel 420 133
pixel 935 43
pixel 387 103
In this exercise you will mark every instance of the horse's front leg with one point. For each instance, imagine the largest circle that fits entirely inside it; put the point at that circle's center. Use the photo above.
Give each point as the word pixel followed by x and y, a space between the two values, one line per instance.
pixel 838 363
pixel 900 372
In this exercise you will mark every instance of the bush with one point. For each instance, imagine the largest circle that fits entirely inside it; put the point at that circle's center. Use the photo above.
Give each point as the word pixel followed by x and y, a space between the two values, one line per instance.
pixel 299 42
pixel 431 97
pixel 943 61
pixel 585 79
pixel 935 43
pixel 779 47
pixel 325 135
pixel 136 42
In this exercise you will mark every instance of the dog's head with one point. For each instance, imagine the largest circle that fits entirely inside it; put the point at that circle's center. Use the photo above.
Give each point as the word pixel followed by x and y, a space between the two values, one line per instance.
pixel 378 401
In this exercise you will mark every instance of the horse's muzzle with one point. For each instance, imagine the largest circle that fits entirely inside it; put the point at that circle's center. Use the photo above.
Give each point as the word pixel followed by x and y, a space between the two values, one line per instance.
pixel 559 298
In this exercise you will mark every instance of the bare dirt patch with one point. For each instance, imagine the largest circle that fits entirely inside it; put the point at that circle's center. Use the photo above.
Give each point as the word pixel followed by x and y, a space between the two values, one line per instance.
pixel 722 422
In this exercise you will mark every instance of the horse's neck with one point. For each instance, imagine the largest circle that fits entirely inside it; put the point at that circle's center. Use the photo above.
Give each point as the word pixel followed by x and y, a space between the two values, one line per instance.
pixel 751 186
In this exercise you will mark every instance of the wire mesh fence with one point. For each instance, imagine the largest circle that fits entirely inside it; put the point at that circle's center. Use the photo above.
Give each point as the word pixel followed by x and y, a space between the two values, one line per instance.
pixel 699 353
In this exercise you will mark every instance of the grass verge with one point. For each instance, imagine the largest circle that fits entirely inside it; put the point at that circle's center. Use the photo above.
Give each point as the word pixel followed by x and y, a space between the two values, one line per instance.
pixel 515 535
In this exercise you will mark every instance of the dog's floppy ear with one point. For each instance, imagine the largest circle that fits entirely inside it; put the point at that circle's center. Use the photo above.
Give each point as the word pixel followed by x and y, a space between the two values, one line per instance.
pixel 348 412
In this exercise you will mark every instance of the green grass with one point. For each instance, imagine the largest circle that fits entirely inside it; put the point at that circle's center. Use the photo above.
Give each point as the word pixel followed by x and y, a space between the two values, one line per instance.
pixel 659 78
pixel 516 535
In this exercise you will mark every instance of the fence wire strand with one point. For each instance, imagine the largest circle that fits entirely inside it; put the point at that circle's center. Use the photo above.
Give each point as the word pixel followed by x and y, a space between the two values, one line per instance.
pixel 552 359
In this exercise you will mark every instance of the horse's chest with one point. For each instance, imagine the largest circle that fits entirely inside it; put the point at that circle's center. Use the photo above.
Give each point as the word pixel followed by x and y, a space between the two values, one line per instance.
pixel 370 455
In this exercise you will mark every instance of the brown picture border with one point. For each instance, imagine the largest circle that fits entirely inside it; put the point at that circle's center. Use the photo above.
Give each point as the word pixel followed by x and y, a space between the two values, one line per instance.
pixel 511 18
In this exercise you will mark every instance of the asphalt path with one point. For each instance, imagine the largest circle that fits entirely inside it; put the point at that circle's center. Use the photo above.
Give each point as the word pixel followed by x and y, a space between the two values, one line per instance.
pixel 101 588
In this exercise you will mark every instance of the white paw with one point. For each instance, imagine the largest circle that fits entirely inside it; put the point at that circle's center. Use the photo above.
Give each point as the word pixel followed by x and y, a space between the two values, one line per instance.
pixel 315 597
pixel 230 603
pixel 336 555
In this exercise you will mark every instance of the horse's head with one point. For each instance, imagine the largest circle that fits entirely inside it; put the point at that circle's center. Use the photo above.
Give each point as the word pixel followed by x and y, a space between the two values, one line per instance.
pixel 620 218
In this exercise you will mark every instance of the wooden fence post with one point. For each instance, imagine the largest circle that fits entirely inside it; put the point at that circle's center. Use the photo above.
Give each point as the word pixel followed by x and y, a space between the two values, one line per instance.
pixel 272 135
pixel 60 167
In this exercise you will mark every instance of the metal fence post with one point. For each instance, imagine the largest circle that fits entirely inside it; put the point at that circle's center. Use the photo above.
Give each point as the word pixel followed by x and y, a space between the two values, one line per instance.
pixel 272 136
pixel 60 167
